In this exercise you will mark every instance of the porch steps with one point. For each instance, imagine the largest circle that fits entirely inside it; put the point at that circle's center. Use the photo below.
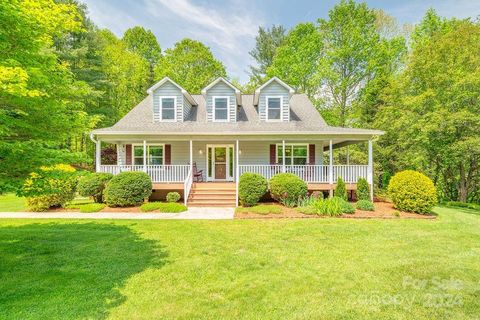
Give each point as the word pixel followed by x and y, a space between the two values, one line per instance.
pixel 212 195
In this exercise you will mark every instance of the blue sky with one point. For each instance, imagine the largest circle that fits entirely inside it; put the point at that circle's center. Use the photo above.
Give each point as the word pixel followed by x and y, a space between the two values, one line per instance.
pixel 229 27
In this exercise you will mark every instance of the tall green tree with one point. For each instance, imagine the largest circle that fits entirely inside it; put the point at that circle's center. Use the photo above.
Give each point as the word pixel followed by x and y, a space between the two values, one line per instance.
pixel 266 43
pixel 191 64
pixel 144 43
pixel 432 110
pixel 40 101
pixel 296 59
pixel 352 50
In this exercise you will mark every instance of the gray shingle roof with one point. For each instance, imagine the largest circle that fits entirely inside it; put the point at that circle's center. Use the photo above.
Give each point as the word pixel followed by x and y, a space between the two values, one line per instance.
pixel 304 118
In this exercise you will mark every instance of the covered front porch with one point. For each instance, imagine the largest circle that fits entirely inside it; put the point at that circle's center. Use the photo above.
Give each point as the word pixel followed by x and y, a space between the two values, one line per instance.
pixel 178 163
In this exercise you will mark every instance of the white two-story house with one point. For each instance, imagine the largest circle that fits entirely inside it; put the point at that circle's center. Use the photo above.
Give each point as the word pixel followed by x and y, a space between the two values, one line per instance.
pixel 199 145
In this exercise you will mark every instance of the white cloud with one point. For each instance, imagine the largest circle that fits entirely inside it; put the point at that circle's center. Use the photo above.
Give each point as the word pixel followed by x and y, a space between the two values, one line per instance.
pixel 229 30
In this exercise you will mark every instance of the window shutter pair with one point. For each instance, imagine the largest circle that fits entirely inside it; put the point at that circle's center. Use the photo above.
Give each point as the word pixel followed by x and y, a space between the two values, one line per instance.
pixel 311 154
pixel 167 154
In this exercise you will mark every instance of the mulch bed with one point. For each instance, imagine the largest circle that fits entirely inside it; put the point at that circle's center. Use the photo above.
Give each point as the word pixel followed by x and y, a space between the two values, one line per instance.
pixel 383 210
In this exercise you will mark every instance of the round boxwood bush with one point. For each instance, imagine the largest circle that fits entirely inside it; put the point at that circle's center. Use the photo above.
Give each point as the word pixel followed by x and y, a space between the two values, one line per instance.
pixel 412 191
pixel 287 188
pixel 173 197
pixel 92 185
pixel 251 188
pixel 363 189
pixel 128 189
pixel 365 205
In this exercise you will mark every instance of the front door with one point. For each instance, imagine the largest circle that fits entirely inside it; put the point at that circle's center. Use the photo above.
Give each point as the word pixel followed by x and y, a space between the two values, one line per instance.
pixel 220 163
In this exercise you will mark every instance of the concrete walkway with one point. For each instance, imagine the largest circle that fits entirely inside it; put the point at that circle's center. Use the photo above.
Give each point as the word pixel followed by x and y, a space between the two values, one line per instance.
pixel 196 213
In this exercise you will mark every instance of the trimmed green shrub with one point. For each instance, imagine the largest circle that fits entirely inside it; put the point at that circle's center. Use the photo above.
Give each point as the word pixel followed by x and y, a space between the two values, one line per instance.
pixel 92 207
pixel 363 189
pixel 173 197
pixel 49 187
pixel 166 207
pixel 128 189
pixel 92 185
pixel 330 207
pixel 251 188
pixel 412 191
pixel 341 189
pixel 365 205
pixel 287 189
pixel 347 207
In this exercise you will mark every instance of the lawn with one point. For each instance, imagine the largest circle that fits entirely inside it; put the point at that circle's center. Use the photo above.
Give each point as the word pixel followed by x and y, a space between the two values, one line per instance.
pixel 11 203
pixel 242 269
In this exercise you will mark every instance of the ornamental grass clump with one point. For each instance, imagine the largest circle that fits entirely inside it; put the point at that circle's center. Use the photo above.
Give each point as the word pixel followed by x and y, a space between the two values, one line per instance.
pixel 412 191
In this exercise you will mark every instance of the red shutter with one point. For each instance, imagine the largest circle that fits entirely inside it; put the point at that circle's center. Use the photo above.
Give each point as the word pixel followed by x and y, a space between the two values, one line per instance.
pixel 168 154
pixel 128 154
pixel 311 154
pixel 273 155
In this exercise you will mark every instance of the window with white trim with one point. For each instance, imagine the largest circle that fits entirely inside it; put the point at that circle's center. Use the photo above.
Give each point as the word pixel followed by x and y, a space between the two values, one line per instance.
pixel 220 108
pixel 274 108
pixel 168 108
pixel 155 155
pixel 296 154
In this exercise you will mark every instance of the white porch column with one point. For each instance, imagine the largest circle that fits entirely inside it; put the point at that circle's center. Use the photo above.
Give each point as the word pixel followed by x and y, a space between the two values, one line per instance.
pixel 237 169
pixel 330 167
pixel 144 155
pixel 191 156
pixel 283 157
pixel 98 155
pixel 370 168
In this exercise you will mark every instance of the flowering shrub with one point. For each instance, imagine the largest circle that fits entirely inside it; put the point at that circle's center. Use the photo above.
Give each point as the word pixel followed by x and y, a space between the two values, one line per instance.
pixel 287 189
pixel 49 187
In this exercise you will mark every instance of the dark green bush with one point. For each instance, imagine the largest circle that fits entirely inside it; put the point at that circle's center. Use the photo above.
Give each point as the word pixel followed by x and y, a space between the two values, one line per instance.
pixel 363 189
pixel 341 189
pixel 459 204
pixel 173 197
pixel 287 189
pixel 347 208
pixel 93 185
pixel 128 189
pixel 48 187
pixel 251 188
pixel 412 191
pixel 365 205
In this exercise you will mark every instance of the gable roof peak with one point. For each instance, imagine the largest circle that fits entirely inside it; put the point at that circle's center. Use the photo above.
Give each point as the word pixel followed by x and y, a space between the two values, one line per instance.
pixel 167 79
pixel 238 93
pixel 272 79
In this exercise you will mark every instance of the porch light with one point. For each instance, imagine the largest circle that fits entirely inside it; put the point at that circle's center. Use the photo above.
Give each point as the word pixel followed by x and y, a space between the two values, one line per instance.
pixel 200 151
pixel 240 151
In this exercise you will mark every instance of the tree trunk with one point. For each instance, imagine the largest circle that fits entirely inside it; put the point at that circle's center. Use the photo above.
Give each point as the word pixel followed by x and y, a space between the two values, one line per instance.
pixel 462 185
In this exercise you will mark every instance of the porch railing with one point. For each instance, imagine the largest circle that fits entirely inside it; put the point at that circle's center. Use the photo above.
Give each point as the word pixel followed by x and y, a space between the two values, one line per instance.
pixel 187 185
pixel 158 173
pixel 310 173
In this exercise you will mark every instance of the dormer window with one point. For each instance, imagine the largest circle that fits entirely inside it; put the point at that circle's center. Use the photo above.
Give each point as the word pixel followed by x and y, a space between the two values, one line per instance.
pixel 220 109
pixel 168 107
pixel 274 108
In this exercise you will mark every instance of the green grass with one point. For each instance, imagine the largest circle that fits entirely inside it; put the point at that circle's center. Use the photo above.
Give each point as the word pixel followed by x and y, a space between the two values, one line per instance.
pixel 9 202
pixel 167 207
pixel 242 269
pixel 92 207
pixel 260 209
pixel 77 203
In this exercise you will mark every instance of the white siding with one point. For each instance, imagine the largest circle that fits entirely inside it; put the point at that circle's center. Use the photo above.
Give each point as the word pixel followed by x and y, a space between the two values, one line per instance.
pixel 274 89
pixel 187 109
pixel 167 89
pixel 221 89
